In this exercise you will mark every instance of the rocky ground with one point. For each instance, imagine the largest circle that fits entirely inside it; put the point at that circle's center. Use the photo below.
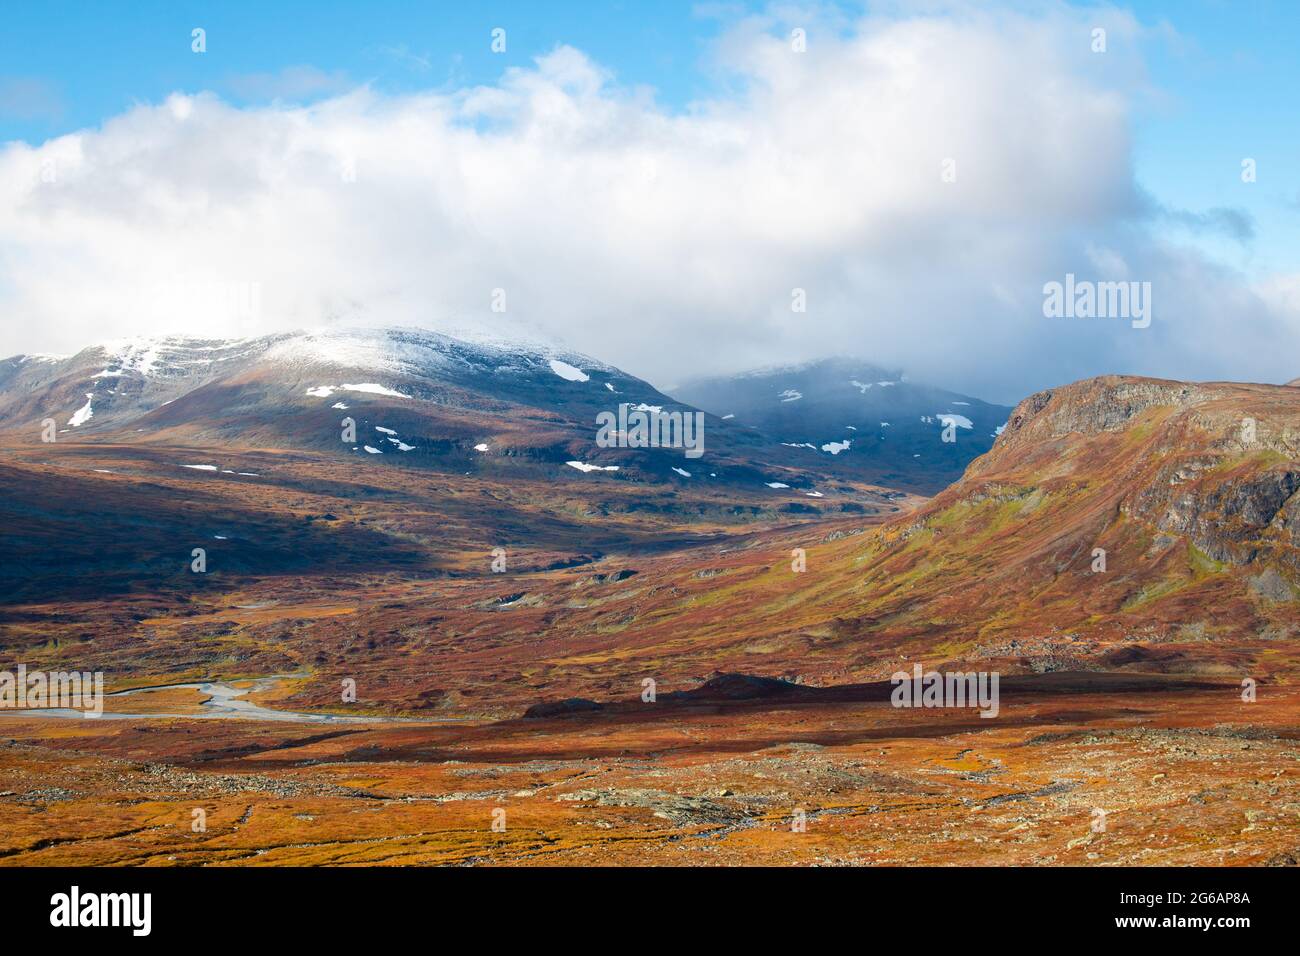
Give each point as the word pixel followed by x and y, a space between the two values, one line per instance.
pixel 1185 777
pixel 1122 736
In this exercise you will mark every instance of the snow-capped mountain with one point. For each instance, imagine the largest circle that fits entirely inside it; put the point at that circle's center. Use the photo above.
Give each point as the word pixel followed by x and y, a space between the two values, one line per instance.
pixel 422 398
pixel 870 420
pixel 469 402
pixel 108 384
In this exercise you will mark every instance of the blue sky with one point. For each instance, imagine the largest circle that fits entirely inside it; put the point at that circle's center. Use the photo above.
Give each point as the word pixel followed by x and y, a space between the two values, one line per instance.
pixel 97 59
pixel 654 94
pixel 1228 84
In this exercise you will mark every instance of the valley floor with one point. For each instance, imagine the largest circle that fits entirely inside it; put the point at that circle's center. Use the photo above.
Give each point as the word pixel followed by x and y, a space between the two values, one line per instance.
pixel 1190 776
pixel 326 573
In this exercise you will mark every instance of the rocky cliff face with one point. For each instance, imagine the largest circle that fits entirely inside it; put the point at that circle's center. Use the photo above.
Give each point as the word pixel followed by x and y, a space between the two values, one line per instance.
pixel 1111 516
pixel 1217 463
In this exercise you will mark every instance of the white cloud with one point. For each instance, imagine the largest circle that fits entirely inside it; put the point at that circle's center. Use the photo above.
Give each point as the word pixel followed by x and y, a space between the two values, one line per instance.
pixel 666 243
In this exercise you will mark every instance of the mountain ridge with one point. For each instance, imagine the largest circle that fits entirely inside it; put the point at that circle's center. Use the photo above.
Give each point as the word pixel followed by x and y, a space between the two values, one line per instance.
pixel 424 397
pixel 875 422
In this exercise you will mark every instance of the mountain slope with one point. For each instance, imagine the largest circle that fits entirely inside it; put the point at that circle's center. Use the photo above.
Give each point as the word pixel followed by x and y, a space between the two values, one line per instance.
pixel 1189 490
pixel 1200 529
pixel 870 421
pixel 461 446
pixel 421 398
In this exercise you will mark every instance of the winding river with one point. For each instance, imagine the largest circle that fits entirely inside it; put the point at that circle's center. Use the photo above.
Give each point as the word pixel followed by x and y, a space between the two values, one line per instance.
pixel 224 702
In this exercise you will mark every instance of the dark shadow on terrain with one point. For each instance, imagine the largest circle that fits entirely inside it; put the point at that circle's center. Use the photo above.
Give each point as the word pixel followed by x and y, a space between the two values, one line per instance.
pixel 480 744
pixel 69 538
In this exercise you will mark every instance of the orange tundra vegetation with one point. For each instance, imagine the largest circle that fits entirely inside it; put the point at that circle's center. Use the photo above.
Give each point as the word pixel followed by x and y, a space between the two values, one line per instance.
pixel 1126 558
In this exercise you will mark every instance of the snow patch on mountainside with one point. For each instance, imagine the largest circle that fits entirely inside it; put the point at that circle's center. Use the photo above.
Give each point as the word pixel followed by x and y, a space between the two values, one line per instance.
pixel 568 372
pixel 84 413
pixel 373 389
pixel 138 357
pixel 172 356
pixel 415 351
pixel 373 350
